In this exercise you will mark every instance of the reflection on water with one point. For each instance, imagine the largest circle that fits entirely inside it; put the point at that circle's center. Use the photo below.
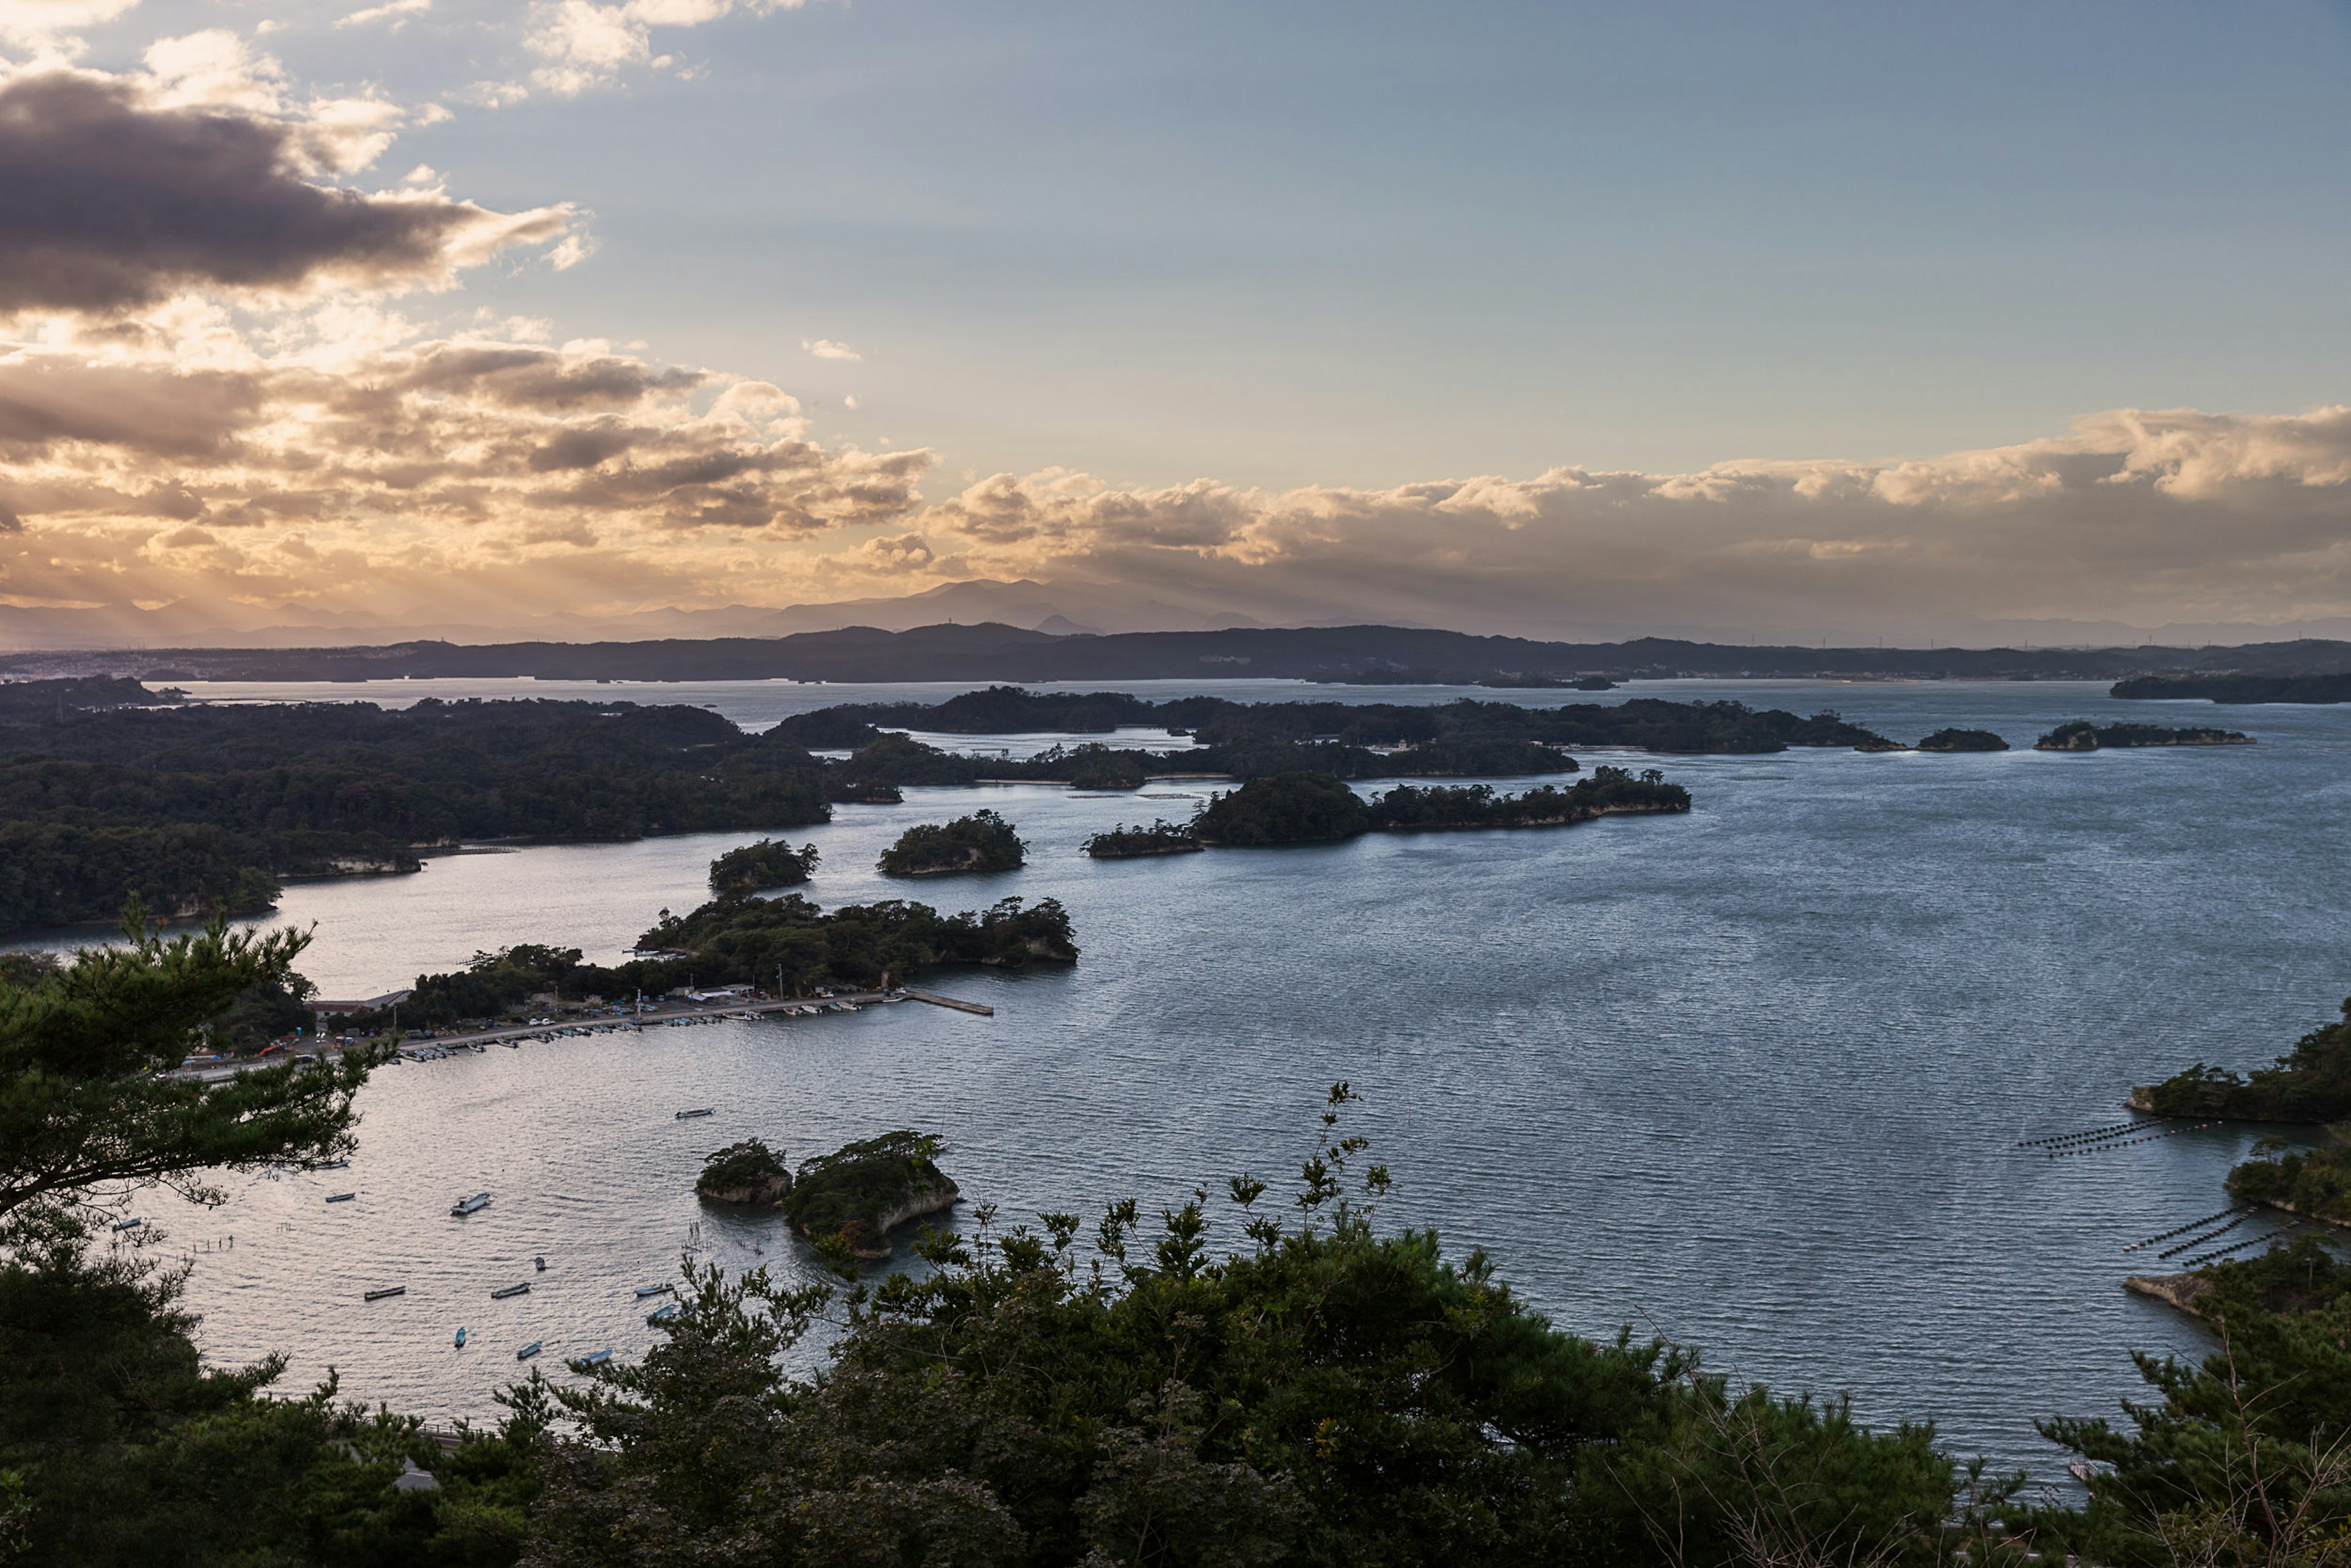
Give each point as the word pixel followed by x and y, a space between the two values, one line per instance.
pixel 1753 1077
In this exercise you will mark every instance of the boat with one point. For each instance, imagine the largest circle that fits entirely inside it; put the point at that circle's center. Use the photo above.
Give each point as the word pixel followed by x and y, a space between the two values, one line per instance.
pixel 340 1196
pixel 533 1348
pixel 542 1264
pixel 333 1165
pixel 134 1223
pixel 461 1339
pixel 521 1289
pixel 690 1115
pixel 659 1290
pixel 474 1205
pixel 593 1358
pixel 387 1290
pixel 665 1314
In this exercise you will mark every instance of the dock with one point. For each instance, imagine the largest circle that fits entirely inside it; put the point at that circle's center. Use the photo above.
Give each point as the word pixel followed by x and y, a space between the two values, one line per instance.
pixel 982 1009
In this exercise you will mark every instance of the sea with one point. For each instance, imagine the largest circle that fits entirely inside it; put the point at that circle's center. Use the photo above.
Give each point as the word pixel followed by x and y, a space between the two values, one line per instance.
pixel 1765 1080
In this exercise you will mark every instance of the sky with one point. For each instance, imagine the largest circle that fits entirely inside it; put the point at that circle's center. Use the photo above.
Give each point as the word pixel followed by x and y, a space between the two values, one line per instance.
pixel 1732 319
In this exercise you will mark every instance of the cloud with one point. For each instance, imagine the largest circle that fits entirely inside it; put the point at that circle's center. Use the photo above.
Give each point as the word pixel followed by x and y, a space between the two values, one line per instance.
pixel 39 23
pixel 117 192
pixel 392 11
pixel 383 451
pixel 2138 514
pixel 826 349
pixel 587 46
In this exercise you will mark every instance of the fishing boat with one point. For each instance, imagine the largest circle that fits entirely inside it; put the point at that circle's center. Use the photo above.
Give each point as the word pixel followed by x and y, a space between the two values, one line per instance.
pixel 690 1115
pixel 387 1290
pixel 665 1314
pixel 593 1358
pixel 533 1348
pixel 134 1223
pixel 461 1339
pixel 333 1165
pixel 340 1196
pixel 542 1264
pixel 474 1205
pixel 521 1289
pixel 661 1290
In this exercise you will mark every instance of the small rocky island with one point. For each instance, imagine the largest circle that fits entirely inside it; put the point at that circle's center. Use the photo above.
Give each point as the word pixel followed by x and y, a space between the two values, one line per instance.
pixel 1963 741
pixel 749 1172
pixel 861 1192
pixel 2082 736
pixel 981 841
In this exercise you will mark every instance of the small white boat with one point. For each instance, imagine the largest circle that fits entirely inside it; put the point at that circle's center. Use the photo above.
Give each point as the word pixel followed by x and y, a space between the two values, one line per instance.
pixel 340 1196
pixel 521 1289
pixel 661 1290
pixel 665 1314
pixel 387 1290
pixel 533 1348
pixel 704 1111
pixel 333 1165
pixel 461 1339
pixel 474 1205
pixel 134 1223
pixel 593 1358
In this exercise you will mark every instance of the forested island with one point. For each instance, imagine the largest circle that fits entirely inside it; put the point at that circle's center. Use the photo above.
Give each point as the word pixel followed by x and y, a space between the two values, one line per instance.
pixel 2311 688
pixel 1160 838
pixel 740 939
pixel 2081 735
pixel 769 863
pixel 1314 808
pixel 851 1199
pixel 1963 741
pixel 749 1172
pixel 982 842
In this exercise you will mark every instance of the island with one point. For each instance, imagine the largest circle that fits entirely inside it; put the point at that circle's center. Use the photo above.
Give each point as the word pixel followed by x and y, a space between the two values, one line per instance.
pixel 1963 741
pixel 748 1173
pixel 858 1193
pixel 1315 808
pixel 785 945
pixel 980 843
pixel 2310 1083
pixel 2320 689
pixel 1162 838
pixel 2081 735
pixel 755 868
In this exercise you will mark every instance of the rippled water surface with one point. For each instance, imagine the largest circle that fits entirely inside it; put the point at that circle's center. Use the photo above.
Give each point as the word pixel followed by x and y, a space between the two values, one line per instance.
pixel 1753 1077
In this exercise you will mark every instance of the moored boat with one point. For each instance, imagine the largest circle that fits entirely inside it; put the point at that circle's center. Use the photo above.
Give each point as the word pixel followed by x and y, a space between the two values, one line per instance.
pixel 474 1205
pixel 533 1348
pixel 387 1290
pixel 521 1289
pixel 461 1339
pixel 340 1196
pixel 704 1111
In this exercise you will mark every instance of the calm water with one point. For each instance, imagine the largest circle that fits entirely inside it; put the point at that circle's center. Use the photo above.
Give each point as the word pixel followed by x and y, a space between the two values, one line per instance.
pixel 1753 1077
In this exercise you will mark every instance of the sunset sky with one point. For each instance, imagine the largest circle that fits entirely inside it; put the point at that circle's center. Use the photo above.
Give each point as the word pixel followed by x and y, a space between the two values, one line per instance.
pixel 1744 319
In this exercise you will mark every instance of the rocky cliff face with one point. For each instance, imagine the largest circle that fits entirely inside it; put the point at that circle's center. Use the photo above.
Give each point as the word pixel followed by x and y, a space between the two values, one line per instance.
pixel 767 1191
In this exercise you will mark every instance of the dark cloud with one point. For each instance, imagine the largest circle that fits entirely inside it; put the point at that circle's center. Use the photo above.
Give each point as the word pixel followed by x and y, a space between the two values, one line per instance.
pixel 544 377
pixel 42 402
pixel 108 202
